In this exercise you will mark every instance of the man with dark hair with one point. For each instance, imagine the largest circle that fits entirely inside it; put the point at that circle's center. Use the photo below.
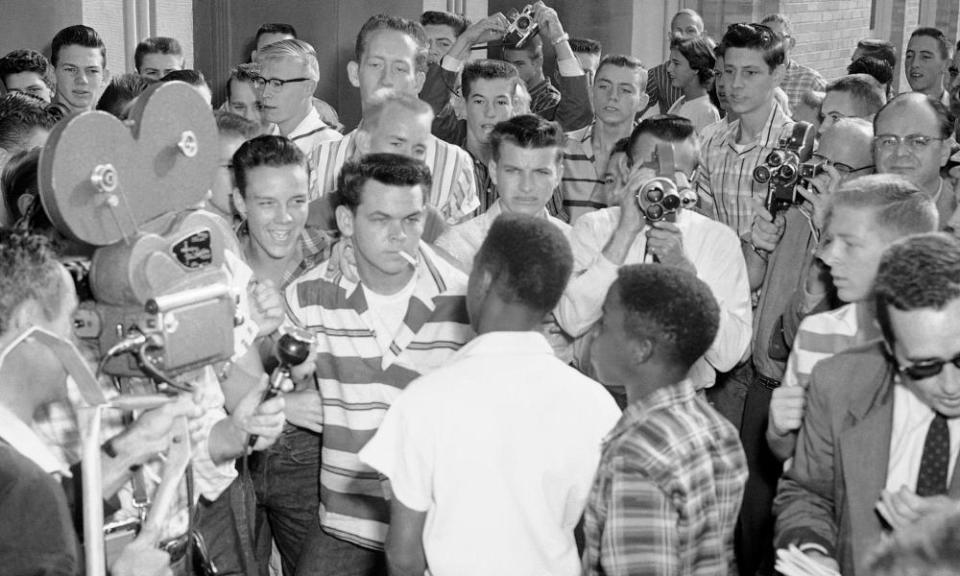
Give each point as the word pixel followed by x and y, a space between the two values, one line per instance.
pixel 504 502
pixel 797 78
pixel 403 317
pixel 526 167
pixel 668 489
pixel 882 49
pixel 269 33
pixel 953 87
pixel 121 92
pixel 443 29
pixel 24 125
pixel 876 68
pixel 618 96
pixel 391 53
pixel 685 24
pixel 243 95
pixel 926 62
pixel 27 71
pixel 753 66
pixel 877 449
pixel 587 51
pixel 79 59
pixel 156 57
pixel 852 96
pixel 194 78
pixel 605 240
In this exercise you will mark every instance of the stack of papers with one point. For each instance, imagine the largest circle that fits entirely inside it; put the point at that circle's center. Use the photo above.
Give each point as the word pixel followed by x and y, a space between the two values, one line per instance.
pixel 793 562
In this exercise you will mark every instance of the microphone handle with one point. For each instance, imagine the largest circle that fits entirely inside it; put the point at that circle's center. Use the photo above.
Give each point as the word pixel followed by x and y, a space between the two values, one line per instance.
pixel 276 379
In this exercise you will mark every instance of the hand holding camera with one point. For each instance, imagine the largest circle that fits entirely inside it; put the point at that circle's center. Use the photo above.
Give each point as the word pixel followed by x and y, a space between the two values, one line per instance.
pixel 818 190
pixel 549 21
pixel 767 228
pixel 784 168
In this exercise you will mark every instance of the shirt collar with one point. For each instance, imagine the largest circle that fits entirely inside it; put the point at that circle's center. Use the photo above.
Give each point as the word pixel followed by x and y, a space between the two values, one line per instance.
pixel 770 132
pixel 638 412
pixel 500 344
pixel 309 123
pixel 25 441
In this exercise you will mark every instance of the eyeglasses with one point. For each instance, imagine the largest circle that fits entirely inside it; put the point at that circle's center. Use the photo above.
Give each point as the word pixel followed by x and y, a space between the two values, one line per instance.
pixel 927 368
pixel 260 82
pixel 840 166
pixel 914 142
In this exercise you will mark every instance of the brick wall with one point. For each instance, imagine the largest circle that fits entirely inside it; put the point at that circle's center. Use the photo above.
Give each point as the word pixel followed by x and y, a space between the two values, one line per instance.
pixel 827 32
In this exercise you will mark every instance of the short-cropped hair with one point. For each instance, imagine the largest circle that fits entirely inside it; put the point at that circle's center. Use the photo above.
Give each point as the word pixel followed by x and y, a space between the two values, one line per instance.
pixel 191 77
pixel 20 178
pixel 267 150
pixel 669 307
pixel 868 95
pixel 487 69
pixel 275 28
pixel 586 46
pixel 380 22
pixel 77 35
pixel 387 169
pixel 19 61
pixel 529 260
pixel 156 45
pixel 624 61
pixel 243 73
pixel 699 55
pixel 20 115
pixel 931 547
pixel 457 23
pixel 230 124
pixel 122 90
pixel 878 48
pixel 667 127
pixel 410 105
pixel 527 131
pixel 878 68
pixel 295 49
pixel 781 19
pixel 944 117
pixel 943 45
pixel 754 37
pixel 30 273
pixel 921 271
pixel 899 208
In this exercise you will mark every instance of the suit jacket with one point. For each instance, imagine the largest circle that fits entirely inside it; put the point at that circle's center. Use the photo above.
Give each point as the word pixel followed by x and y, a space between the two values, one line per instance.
pixel 840 465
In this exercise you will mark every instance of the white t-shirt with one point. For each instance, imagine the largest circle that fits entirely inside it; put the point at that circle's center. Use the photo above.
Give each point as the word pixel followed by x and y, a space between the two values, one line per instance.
pixel 700 111
pixel 499 448
pixel 387 312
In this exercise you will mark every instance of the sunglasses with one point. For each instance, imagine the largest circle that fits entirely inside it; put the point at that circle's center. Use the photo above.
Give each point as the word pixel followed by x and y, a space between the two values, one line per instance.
pixel 926 368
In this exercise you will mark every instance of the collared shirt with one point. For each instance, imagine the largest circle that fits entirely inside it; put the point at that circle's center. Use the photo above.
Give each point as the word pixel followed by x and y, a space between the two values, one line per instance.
pixel 315 247
pixel 358 379
pixel 798 80
pixel 310 132
pixel 583 188
pixel 660 89
pixel 544 97
pixel 911 422
pixel 725 181
pixel 22 438
pixel 712 248
pixel 463 240
pixel 504 501
pixel 668 490
pixel 823 335
pixel 700 111
pixel 454 190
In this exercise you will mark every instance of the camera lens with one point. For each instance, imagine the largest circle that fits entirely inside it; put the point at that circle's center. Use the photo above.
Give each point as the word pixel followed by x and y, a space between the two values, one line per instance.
pixel 788 172
pixel 671 202
pixel 523 22
pixel 761 174
pixel 655 212
pixel 655 194
pixel 775 159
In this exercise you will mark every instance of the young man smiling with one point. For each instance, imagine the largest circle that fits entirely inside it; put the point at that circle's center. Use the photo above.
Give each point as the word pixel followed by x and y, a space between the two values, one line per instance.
pixel 79 58
pixel 926 62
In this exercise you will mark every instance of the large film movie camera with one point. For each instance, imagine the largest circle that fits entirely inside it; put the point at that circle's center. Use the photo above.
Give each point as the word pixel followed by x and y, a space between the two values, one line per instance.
pixel 787 166
pixel 163 303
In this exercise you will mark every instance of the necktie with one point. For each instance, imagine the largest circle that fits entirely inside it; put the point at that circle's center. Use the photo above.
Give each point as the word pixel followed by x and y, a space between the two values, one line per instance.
pixel 934 464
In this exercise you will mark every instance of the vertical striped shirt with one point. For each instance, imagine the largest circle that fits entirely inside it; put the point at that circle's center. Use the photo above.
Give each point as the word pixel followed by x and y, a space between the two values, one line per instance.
pixel 544 98
pixel 358 379
pixel 725 181
pixel 823 335
pixel 660 89
pixel 668 490
pixel 310 132
pixel 454 190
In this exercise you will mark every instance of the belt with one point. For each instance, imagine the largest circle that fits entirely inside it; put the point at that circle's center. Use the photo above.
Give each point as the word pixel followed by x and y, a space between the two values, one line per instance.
pixel 766 381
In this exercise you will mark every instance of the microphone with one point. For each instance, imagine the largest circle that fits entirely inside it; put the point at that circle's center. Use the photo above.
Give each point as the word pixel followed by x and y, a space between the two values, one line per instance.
pixel 292 350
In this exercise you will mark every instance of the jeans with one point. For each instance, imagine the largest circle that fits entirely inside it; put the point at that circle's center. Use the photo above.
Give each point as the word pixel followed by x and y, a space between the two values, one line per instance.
pixel 226 525
pixel 324 555
pixel 286 479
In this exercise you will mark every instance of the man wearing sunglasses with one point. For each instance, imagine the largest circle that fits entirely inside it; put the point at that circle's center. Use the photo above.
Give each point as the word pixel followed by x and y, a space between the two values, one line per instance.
pixel 289 73
pixel 880 437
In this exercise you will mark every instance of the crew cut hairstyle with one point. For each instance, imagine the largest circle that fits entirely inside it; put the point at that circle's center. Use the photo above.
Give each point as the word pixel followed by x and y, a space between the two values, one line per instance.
pixel 671 308
pixel 301 51
pixel 943 44
pixel 78 35
pixel 385 22
pixel 19 61
pixel 699 55
pixel 191 77
pixel 488 69
pixel 585 46
pixel 156 45
pixel 667 127
pixel 868 94
pixel 230 124
pixel 529 260
pixel 411 106
pixel 30 272
pixel 624 61
pixel 385 168
pixel 267 150
pixel 944 117
pixel 121 91
pixel 527 131
pixel 21 114
pixel 457 23
pixel 899 208
pixel 275 28
pixel 754 37
pixel 921 271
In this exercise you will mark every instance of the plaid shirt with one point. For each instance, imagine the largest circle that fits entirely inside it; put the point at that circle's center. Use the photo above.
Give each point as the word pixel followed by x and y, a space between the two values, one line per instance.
pixel 316 246
pixel 725 181
pixel 583 189
pixel 798 80
pixel 668 490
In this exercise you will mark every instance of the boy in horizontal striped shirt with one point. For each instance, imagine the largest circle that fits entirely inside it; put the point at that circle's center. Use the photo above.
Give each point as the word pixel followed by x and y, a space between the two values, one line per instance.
pixel 864 217
pixel 404 317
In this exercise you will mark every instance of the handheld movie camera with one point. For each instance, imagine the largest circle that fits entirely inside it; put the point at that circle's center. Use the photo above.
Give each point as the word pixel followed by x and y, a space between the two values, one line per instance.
pixel 523 27
pixel 163 303
pixel 783 168
pixel 660 198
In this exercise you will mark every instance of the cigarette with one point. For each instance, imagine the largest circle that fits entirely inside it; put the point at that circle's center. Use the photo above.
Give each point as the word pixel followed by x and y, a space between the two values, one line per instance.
pixel 410 259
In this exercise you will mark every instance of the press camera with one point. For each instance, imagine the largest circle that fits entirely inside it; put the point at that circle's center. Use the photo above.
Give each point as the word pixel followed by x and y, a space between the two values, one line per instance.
pixel 522 28
pixel 784 168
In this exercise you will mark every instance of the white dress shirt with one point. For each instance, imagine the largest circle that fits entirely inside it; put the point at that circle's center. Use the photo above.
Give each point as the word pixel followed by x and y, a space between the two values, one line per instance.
pixel 911 421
